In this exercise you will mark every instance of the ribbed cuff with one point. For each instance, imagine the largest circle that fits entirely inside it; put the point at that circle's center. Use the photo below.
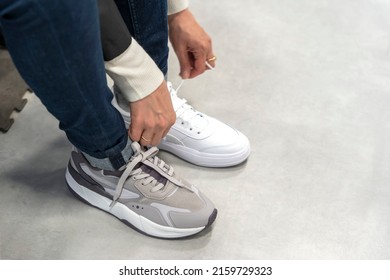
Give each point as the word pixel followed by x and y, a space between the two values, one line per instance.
pixel 175 6
pixel 112 162
pixel 134 73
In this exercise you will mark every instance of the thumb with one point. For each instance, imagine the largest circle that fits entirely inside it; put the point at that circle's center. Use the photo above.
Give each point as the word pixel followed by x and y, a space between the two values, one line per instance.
pixel 185 63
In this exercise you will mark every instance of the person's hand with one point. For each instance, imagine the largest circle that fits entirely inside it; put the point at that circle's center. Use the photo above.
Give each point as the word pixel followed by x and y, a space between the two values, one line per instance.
pixel 152 117
pixel 191 43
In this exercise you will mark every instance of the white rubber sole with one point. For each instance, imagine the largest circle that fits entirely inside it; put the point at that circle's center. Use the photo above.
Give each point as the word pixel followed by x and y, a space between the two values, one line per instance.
pixel 205 159
pixel 123 213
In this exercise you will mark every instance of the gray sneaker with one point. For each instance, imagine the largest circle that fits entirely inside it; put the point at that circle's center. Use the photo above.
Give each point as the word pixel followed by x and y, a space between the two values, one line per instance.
pixel 146 194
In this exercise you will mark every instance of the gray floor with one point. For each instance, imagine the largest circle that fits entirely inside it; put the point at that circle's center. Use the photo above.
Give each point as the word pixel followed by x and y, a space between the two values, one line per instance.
pixel 308 83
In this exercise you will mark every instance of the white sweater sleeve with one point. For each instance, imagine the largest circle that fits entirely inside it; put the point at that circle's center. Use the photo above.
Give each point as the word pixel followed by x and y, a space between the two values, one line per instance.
pixel 134 73
pixel 175 6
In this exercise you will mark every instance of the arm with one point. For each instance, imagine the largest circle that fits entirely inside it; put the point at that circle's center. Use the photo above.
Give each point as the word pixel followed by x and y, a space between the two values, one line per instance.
pixel 138 78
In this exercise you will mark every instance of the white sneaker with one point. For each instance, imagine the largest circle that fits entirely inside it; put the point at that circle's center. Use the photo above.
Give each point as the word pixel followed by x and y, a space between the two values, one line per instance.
pixel 198 138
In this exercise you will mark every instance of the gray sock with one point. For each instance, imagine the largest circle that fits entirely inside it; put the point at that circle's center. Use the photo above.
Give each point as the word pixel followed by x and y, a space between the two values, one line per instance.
pixel 105 163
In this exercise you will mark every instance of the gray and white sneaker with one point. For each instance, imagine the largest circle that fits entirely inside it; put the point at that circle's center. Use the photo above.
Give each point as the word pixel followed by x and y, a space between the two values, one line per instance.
pixel 146 194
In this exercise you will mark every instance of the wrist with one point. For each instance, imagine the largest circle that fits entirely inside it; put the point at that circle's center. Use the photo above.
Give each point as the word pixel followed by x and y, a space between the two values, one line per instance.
pixel 178 15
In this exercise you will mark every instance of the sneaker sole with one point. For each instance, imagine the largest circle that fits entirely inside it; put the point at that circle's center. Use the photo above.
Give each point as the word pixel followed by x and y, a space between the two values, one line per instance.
pixel 205 159
pixel 129 217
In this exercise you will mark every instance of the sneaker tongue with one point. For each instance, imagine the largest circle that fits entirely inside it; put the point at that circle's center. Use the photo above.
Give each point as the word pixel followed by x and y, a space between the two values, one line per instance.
pixel 154 174
pixel 187 113
pixel 193 117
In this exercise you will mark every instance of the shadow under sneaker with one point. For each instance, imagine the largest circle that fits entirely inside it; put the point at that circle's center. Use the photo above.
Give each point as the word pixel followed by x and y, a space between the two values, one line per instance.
pixel 146 194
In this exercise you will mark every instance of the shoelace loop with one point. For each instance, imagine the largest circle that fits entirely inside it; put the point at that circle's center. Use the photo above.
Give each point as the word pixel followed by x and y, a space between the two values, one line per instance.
pixel 148 158
pixel 190 117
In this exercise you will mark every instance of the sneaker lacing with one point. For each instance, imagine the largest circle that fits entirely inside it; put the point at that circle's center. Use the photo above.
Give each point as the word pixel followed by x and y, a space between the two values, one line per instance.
pixel 149 159
pixel 190 118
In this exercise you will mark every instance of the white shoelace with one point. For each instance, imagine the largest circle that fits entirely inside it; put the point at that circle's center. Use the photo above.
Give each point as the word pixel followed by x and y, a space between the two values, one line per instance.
pixel 190 117
pixel 150 159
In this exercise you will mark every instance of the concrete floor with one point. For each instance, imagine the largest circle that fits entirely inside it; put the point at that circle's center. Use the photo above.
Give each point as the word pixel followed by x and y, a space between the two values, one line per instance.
pixel 308 83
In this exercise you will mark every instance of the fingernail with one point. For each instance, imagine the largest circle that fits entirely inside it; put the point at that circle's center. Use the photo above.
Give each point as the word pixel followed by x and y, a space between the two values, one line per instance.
pixel 185 74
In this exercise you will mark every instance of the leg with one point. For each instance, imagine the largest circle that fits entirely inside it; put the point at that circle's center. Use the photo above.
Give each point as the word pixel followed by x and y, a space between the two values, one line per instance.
pixel 56 47
pixel 2 42
pixel 147 21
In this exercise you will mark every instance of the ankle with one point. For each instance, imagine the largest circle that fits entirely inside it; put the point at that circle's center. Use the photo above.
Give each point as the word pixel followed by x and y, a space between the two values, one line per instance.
pixel 111 163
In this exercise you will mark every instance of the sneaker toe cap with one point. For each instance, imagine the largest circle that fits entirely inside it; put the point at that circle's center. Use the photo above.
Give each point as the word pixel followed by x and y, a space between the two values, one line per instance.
pixel 200 218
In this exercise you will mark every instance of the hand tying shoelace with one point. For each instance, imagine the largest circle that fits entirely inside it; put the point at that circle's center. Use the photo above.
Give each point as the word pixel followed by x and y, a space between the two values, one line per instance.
pixel 148 158
pixel 195 136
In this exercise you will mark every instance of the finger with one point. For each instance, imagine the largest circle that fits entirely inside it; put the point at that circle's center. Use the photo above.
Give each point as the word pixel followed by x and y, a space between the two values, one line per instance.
pixel 135 131
pixel 147 139
pixel 156 139
pixel 199 66
pixel 211 61
pixel 186 64
pixel 165 132
pixel 209 66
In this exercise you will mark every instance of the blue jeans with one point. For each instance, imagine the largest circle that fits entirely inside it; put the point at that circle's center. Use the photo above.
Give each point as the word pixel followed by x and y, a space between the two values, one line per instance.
pixel 147 21
pixel 55 45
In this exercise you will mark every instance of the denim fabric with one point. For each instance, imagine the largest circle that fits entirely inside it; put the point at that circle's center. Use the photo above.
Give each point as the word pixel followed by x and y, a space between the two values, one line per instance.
pixel 56 47
pixel 147 21
pixel 2 42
